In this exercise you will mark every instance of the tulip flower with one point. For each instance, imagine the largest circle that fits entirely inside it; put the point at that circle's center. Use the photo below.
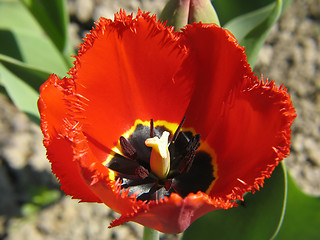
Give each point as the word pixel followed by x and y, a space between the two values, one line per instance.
pixel 162 126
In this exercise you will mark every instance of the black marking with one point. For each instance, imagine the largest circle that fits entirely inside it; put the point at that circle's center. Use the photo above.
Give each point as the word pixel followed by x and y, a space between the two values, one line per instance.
pixel 139 189
pixel 122 165
pixel 198 178
pixel 155 193
pixel 191 170
pixel 178 152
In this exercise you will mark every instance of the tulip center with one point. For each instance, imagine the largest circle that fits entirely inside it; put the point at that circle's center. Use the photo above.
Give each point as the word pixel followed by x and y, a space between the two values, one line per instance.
pixel 153 160
pixel 160 156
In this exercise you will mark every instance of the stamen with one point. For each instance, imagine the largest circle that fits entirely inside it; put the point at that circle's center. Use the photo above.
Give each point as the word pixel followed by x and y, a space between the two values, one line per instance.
pixel 186 163
pixel 142 172
pixel 176 133
pixel 127 148
pixel 160 156
pixel 156 166
pixel 151 128
pixel 194 143
pixel 191 148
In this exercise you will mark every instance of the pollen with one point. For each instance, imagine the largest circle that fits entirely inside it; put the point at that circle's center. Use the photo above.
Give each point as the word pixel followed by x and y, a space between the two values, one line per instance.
pixel 160 156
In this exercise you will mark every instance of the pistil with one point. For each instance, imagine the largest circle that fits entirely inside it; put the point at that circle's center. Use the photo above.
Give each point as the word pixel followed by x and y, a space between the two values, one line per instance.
pixel 160 156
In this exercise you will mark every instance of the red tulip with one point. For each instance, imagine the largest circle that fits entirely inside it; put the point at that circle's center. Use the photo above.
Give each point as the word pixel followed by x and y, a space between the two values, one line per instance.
pixel 162 126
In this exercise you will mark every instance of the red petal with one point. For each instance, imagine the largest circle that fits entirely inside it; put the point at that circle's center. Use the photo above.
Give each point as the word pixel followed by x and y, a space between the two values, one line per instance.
pixel 53 111
pixel 221 66
pixel 130 69
pixel 173 214
pixel 97 176
pixel 113 198
pixel 252 136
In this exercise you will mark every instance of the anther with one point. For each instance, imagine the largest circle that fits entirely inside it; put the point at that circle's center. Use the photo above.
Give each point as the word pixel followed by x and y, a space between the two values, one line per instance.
pixel 186 162
pixel 151 128
pixel 191 148
pixel 127 148
pixel 142 172
pixel 194 143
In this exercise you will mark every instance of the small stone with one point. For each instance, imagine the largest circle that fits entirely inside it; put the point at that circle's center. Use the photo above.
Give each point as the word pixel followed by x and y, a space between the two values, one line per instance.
pixel 74 35
pixel 22 229
pixel 16 150
pixel 84 10
pixel 313 150
pixel 265 55
pixel 298 143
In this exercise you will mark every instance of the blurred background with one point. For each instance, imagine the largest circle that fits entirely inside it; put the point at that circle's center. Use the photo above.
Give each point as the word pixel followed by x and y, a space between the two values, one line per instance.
pixel 31 205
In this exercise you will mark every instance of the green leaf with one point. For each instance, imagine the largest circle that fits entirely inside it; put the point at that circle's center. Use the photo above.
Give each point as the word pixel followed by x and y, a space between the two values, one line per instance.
pixel 39 197
pixel 230 9
pixel 32 76
pixel 150 234
pixel 30 210
pixel 286 4
pixel 43 195
pixel 27 56
pixel 23 95
pixel 250 22
pixel 255 38
pixel 21 37
pixel 302 218
pixel 259 217
pixel 242 25
pixel 54 19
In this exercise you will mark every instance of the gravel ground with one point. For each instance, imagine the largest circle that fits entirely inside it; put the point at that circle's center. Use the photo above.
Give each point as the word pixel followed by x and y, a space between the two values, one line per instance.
pixel 290 56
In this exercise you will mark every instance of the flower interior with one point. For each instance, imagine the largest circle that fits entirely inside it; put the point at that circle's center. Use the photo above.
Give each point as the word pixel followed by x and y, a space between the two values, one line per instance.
pixel 155 159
